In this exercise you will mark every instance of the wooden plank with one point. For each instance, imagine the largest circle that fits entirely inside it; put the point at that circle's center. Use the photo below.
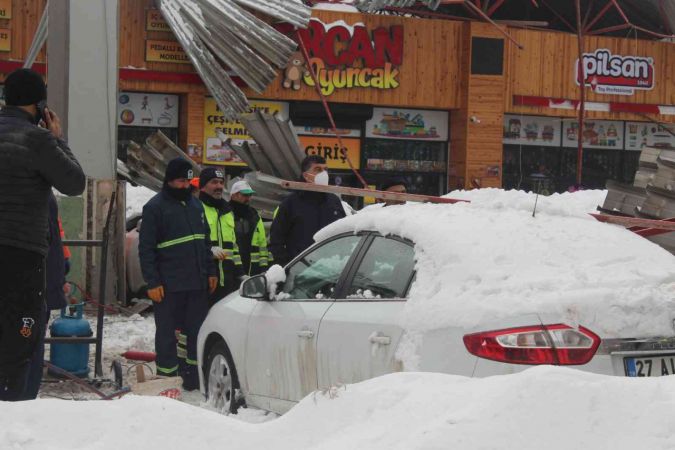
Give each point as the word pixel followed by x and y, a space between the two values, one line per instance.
pixel 666 224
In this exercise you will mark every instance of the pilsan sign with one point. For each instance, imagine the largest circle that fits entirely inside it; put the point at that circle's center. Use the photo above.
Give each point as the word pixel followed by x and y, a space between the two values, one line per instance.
pixel 606 73
pixel 348 57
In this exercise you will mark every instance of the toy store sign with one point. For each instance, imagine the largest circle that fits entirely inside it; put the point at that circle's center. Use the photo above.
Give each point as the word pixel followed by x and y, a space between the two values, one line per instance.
pixel 532 130
pixel 348 56
pixel 606 73
pixel 596 134
pixel 410 124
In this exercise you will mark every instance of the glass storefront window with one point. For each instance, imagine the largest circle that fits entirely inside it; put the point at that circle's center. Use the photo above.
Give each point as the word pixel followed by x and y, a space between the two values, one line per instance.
pixel 554 169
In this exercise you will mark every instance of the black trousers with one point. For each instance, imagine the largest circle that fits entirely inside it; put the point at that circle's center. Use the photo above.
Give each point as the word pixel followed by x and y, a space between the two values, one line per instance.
pixel 22 306
pixel 183 311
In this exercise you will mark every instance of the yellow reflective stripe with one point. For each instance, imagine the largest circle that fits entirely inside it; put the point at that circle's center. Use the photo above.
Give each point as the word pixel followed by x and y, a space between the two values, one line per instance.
pixel 182 339
pixel 167 371
pixel 191 362
pixel 183 240
pixel 181 353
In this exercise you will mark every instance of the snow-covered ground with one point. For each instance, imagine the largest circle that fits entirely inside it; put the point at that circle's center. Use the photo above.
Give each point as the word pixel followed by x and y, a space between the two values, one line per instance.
pixel 545 407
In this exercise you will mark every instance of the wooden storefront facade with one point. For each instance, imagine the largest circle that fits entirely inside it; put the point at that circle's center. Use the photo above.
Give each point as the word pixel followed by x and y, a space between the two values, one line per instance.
pixel 498 102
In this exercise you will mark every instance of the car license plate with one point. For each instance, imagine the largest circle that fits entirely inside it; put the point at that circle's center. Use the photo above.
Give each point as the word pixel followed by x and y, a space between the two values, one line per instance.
pixel 650 366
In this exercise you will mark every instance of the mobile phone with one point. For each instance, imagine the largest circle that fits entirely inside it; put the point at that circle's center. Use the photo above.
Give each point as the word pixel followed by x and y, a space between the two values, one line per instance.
pixel 41 105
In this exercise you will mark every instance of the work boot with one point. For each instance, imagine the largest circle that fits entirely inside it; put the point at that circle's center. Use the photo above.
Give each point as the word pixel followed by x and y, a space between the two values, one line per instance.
pixel 190 379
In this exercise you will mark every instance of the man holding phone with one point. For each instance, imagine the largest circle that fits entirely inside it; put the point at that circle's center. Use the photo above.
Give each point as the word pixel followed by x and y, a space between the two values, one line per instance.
pixel 33 160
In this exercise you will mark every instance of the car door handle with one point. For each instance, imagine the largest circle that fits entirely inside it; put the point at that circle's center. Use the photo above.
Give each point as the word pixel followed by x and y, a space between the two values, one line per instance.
pixel 379 339
pixel 307 334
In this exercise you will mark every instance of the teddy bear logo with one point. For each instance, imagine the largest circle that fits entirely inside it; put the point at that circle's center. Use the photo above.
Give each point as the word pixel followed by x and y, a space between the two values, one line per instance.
pixel 295 71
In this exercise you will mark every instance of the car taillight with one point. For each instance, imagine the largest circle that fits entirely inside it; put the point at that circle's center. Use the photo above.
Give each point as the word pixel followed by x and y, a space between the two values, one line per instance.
pixel 540 344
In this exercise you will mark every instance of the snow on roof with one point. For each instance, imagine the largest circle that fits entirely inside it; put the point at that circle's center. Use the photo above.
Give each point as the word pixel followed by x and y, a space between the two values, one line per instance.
pixel 490 260
pixel 543 407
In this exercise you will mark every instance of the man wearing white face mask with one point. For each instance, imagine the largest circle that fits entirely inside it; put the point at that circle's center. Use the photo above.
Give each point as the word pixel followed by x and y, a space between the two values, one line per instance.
pixel 303 213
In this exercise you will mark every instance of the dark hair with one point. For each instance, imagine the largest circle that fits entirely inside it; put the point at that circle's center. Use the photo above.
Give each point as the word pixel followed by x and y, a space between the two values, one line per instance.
pixel 394 181
pixel 311 159
pixel 24 87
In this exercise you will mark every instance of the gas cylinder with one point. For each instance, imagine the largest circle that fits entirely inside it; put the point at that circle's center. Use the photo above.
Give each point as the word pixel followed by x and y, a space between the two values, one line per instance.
pixel 71 357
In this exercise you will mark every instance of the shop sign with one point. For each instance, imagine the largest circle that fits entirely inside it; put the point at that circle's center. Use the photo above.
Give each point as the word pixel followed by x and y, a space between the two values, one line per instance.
pixel 532 130
pixel 643 134
pixel 148 110
pixel 322 131
pixel 217 131
pixel 5 9
pixel 397 123
pixel 154 21
pixel 330 149
pixel 5 40
pixel 347 57
pixel 166 52
pixel 596 134
pixel 605 73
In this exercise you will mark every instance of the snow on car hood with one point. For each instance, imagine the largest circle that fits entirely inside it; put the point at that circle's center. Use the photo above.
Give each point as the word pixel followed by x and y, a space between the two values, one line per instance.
pixel 483 261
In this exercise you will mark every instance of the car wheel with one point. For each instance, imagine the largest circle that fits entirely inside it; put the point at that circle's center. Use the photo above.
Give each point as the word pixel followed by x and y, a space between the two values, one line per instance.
pixel 220 379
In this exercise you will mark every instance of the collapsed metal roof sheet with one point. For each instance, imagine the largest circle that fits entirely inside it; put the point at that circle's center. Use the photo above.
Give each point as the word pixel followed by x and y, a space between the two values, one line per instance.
pixel 374 5
pixel 221 37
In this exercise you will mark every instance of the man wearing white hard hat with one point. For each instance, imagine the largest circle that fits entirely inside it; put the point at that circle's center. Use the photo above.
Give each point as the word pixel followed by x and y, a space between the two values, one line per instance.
pixel 249 229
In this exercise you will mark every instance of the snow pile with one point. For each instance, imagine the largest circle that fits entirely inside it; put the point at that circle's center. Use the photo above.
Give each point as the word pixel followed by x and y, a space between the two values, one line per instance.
pixel 275 275
pixel 344 6
pixel 137 197
pixel 128 333
pixel 490 259
pixel 543 407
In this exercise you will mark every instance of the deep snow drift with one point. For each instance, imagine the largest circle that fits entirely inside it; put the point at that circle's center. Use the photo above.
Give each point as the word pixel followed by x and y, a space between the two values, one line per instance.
pixel 137 197
pixel 490 259
pixel 544 407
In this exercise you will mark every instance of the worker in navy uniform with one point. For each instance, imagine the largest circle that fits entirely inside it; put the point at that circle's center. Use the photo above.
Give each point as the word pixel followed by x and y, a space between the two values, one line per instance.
pixel 178 268
pixel 303 213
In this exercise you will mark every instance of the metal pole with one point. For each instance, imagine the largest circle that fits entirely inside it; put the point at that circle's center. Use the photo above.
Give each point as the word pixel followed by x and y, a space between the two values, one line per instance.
pixel 582 99
pixel 102 288
pixel 39 39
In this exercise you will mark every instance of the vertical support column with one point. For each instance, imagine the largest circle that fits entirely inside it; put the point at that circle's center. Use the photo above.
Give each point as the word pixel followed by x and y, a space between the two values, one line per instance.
pixel 477 127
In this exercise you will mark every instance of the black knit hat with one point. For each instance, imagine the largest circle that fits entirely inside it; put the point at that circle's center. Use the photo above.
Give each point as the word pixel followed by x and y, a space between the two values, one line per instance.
pixel 24 87
pixel 178 168
pixel 209 174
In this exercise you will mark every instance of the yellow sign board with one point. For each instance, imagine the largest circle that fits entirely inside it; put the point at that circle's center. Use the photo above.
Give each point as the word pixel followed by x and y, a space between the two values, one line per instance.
pixel 217 130
pixel 330 149
pixel 5 9
pixel 5 40
pixel 154 21
pixel 166 52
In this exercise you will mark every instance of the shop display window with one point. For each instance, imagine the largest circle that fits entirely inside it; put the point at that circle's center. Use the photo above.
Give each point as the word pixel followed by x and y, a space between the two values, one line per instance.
pixel 548 170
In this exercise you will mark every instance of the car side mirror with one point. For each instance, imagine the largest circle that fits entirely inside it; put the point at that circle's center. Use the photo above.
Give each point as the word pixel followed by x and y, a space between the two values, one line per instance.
pixel 255 288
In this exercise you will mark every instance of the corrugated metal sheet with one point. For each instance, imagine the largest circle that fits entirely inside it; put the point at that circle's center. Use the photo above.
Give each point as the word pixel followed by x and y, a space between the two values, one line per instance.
pixel 221 37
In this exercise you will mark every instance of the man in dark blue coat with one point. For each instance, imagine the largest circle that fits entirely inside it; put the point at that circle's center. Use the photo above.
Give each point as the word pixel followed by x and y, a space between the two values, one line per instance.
pixel 33 160
pixel 178 268
pixel 302 214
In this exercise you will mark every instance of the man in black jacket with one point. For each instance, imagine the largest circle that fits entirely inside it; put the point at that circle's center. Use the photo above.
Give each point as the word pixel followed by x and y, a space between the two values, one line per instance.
pixel 32 161
pixel 249 229
pixel 178 268
pixel 302 214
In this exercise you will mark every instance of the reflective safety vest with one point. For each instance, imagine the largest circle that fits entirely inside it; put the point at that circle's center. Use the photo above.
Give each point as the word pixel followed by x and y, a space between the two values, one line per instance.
pixel 260 255
pixel 223 235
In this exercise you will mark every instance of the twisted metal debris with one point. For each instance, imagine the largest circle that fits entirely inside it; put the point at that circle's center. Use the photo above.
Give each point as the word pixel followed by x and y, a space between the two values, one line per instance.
pixel 221 37
pixel 375 5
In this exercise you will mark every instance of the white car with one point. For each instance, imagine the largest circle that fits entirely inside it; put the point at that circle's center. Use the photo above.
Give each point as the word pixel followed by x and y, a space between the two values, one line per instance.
pixel 336 319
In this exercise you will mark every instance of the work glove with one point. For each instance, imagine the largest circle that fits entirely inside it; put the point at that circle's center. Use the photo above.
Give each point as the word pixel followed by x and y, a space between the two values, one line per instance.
pixel 213 284
pixel 156 294
pixel 219 253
